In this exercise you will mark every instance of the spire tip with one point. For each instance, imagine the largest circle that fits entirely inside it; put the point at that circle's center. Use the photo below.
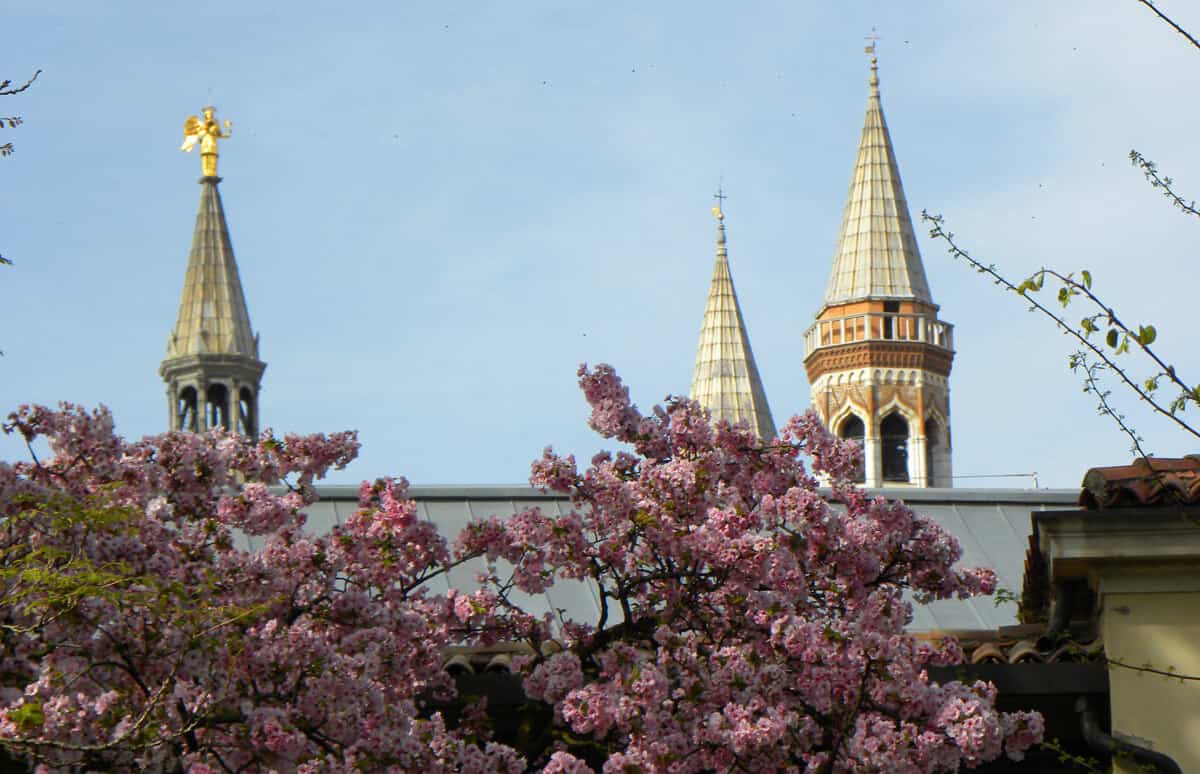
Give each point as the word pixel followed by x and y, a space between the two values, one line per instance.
pixel 873 82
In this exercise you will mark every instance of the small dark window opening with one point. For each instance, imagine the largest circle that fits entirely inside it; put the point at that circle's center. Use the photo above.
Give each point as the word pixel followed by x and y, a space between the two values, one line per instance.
pixel 246 419
pixel 853 429
pixel 185 410
pixel 932 431
pixel 218 406
pixel 890 308
pixel 893 435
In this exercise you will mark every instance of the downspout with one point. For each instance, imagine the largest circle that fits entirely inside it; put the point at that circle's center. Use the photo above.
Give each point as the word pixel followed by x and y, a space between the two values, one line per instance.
pixel 1060 617
pixel 1100 741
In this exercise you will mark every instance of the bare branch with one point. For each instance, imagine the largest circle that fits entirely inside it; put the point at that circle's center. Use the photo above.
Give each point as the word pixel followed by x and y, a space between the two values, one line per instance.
pixel 6 87
pixel 1152 670
pixel 1171 22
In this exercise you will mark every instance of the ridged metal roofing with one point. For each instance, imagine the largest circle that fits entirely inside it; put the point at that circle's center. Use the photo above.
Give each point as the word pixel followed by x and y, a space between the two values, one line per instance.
pixel 992 525
pixel 725 380
pixel 212 310
pixel 876 255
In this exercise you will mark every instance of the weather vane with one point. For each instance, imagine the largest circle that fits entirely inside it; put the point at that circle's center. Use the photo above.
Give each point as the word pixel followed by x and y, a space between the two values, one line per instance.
pixel 874 38
pixel 870 49
pixel 207 132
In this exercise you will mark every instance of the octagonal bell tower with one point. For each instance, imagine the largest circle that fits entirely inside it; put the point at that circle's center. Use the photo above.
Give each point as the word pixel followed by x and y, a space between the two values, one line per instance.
pixel 212 369
pixel 878 357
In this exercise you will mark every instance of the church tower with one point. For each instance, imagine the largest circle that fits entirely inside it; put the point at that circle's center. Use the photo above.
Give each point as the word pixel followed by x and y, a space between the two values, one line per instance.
pixel 725 380
pixel 212 370
pixel 878 358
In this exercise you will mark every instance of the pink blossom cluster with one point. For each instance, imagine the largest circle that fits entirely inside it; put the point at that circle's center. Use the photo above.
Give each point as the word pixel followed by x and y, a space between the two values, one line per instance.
pixel 135 635
pixel 749 622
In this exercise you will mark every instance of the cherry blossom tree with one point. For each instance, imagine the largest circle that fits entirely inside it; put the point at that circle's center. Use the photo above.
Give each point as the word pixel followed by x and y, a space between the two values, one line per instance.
pixel 747 622
pixel 136 636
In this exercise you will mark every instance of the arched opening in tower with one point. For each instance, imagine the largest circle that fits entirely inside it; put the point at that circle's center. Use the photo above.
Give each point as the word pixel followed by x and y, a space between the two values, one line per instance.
pixel 247 422
pixel 218 406
pixel 893 435
pixel 185 410
pixel 853 429
pixel 932 436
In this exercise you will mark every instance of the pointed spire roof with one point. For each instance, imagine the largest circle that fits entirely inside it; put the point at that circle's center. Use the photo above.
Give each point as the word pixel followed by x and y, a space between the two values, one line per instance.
pixel 725 380
pixel 212 310
pixel 876 255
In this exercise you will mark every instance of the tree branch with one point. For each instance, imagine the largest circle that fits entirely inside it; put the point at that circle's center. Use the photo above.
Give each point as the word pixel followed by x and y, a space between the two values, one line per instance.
pixel 1117 329
pixel 1171 22
pixel 1092 385
pixel 7 89
pixel 1150 170
pixel 1152 670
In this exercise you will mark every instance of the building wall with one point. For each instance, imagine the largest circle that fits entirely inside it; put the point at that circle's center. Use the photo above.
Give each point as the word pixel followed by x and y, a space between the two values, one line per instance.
pixel 1154 620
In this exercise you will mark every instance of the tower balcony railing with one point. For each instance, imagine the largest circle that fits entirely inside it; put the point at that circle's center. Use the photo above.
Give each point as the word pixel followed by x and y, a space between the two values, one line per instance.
pixel 878 326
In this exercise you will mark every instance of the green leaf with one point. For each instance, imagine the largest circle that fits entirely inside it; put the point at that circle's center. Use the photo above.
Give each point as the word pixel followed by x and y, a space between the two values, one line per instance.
pixel 28 714
pixel 1111 338
pixel 1088 325
pixel 1086 276
pixel 1146 335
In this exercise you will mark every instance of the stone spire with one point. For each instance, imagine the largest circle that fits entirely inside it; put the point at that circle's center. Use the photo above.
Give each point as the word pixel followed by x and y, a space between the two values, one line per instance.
pixel 878 357
pixel 212 369
pixel 213 318
pixel 876 255
pixel 725 380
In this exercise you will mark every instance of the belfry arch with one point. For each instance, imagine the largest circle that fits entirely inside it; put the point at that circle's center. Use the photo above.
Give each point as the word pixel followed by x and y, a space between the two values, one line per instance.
pixel 852 428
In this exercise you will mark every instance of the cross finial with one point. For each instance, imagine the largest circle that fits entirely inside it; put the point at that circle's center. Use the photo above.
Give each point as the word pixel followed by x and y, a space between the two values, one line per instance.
pixel 720 197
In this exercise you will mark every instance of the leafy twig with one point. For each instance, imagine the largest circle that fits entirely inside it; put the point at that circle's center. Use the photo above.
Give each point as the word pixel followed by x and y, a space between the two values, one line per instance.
pixel 1150 170
pixel 1080 361
pixel 1118 336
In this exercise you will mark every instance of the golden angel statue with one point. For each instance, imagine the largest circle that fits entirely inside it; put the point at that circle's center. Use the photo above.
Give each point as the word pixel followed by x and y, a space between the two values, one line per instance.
pixel 205 131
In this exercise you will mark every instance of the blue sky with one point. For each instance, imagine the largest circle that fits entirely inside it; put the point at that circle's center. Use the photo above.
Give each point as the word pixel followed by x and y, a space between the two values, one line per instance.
pixel 441 209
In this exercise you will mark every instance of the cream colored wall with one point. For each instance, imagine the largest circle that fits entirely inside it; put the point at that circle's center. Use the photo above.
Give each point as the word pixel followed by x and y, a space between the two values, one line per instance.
pixel 1154 620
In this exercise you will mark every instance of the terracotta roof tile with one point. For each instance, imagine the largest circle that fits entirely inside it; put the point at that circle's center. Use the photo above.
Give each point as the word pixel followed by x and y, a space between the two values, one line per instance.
pixel 1019 645
pixel 1147 481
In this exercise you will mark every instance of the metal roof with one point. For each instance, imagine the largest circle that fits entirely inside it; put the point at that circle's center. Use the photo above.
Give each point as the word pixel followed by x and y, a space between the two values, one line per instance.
pixel 993 526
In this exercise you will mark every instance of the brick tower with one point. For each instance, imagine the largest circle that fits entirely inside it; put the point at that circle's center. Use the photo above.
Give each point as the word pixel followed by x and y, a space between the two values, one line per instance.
pixel 878 358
